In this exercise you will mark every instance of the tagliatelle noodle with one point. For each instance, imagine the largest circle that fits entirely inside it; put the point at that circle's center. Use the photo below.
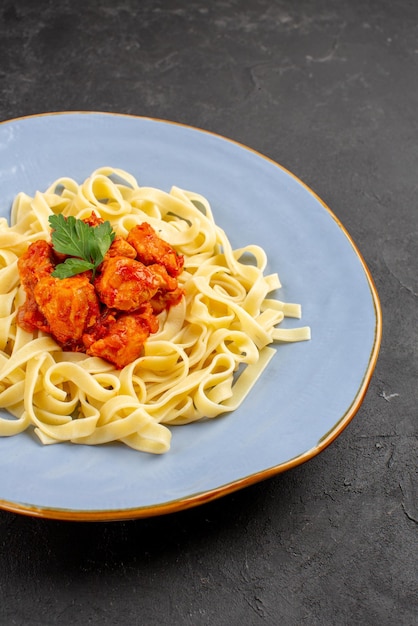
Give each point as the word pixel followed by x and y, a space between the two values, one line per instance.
pixel 207 354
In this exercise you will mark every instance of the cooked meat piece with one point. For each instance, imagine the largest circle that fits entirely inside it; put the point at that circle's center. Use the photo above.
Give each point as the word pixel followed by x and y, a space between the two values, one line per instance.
pixel 124 339
pixel 169 293
pixel 30 318
pixel 151 249
pixel 165 299
pixel 165 281
pixel 35 263
pixel 125 284
pixel 70 306
pixel 120 247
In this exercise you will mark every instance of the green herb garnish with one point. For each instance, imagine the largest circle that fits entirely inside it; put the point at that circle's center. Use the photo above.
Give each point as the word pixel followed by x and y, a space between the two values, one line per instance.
pixel 85 245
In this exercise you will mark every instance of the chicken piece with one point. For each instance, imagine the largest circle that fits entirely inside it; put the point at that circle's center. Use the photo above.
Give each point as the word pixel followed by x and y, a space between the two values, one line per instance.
pixel 35 263
pixel 165 281
pixel 69 305
pixel 162 301
pixel 165 299
pixel 120 247
pixel 151 249
pixel 30 318
pixel 123 340
pixel 125 284
pixel 169 293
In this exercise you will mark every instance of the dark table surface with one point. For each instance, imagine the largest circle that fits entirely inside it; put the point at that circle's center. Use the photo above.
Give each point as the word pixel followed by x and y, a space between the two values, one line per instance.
pixel 329 90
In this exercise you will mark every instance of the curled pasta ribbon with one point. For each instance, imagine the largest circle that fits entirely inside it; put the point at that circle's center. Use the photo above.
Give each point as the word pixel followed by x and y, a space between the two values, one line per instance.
pixel 209 350
pixel 122 419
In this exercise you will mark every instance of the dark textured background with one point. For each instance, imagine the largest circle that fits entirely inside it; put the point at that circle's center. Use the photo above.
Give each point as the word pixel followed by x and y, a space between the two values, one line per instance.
pixel 329 89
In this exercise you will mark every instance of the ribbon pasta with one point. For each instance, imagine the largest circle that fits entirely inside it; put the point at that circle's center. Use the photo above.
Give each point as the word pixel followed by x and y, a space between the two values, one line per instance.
pixel 206 356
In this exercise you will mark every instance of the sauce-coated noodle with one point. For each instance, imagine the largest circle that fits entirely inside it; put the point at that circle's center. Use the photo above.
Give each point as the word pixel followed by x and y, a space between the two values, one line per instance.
pixel 209 351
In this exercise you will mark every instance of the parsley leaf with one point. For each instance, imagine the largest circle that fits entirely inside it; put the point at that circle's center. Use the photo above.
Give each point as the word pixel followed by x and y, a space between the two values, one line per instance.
pixel 70 267
pixel 85 245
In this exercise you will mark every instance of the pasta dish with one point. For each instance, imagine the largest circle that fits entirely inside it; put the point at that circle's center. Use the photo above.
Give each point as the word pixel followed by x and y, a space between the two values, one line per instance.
pixel 156 321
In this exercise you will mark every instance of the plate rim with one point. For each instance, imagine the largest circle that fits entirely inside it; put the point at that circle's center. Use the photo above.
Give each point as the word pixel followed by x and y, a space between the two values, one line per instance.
pixel 203 497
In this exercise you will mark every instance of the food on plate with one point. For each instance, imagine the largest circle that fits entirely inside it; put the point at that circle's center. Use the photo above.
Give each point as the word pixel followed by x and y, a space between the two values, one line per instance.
pixel 124 310
pixel 97 294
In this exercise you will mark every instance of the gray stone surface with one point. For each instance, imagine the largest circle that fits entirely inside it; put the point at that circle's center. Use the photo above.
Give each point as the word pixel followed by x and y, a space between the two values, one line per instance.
pixel 329 90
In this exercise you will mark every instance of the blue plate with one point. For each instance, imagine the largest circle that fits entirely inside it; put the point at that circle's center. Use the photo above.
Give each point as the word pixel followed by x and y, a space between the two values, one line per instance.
pixel 310 391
